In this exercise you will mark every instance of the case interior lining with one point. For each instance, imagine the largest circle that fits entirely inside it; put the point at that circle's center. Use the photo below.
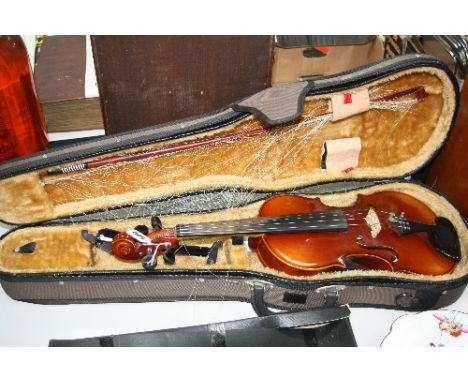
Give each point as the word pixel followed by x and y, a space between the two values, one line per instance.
pixel 396 138
pixel 61 248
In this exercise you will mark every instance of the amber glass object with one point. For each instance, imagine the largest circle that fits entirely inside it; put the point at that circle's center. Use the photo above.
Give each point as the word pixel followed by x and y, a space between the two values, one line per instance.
pixel 22 126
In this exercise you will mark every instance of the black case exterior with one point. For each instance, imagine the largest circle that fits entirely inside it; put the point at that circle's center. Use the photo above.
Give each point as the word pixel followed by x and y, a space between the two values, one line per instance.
pixel 321 327
pixel 209 286
pixel 172 285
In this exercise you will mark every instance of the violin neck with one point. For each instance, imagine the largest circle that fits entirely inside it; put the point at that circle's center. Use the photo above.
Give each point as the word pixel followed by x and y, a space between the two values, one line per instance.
pixel 328 221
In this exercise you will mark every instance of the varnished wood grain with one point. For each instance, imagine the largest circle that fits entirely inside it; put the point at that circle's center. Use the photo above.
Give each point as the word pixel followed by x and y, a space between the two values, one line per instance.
pixel 310 253
pixel 60 69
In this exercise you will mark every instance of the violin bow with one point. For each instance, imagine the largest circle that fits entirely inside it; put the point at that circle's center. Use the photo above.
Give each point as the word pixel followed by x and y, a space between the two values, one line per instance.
pixel 418 91
pixel 154 153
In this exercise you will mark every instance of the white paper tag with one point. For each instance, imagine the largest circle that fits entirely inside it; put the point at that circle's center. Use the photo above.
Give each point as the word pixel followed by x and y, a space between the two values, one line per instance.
pixel 341 154
pixel 349 103
pixel 138 236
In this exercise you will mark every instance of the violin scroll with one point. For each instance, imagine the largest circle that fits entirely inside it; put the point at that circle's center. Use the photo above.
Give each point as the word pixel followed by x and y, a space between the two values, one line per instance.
pixel 134 245
pixel 140 244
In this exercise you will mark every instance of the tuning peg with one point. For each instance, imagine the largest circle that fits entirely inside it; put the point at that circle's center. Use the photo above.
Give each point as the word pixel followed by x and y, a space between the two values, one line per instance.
pixel 143 229
pixel 156 222
pixel 150 260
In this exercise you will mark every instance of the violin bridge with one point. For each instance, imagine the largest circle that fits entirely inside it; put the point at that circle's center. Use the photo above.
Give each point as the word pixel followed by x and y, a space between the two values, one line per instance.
pixel 373 222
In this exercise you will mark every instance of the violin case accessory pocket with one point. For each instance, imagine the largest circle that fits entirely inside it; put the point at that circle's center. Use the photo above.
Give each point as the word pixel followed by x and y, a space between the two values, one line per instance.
pixel 303 190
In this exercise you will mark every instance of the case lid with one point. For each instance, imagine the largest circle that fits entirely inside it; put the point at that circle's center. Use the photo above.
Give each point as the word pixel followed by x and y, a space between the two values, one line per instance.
pixel 380 121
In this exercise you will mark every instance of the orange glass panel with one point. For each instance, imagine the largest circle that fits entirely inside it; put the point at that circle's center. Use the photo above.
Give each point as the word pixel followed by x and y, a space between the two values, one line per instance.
pixel 22 126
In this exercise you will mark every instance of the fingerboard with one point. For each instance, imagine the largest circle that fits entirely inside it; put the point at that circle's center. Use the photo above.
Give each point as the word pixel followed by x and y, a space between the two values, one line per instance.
pixel 329 221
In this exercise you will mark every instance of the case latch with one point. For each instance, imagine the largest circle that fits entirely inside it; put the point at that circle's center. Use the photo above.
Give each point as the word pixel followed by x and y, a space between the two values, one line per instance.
pixel 257 289
pixel 331 293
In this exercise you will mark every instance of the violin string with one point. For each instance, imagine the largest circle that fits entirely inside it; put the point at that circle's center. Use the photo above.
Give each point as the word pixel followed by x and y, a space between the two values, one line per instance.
pixel 364 224
pixel 365 211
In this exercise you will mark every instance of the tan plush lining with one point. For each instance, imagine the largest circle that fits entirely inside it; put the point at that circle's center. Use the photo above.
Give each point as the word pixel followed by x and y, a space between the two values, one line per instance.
pixel 394 142
pixel 61 248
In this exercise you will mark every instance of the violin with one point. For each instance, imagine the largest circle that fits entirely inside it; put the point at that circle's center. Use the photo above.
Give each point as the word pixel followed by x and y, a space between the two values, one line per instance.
pixel 389 231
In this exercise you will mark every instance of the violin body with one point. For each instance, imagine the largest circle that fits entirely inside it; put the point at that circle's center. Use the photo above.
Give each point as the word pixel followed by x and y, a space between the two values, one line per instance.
pixel 355 248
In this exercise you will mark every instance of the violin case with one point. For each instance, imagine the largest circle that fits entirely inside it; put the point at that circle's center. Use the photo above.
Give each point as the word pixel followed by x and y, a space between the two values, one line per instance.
pixel 231 179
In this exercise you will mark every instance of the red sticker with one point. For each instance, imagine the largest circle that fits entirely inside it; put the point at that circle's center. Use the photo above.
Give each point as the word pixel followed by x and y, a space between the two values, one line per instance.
pixel 347 98
pixel 322 49
pixel 349 169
